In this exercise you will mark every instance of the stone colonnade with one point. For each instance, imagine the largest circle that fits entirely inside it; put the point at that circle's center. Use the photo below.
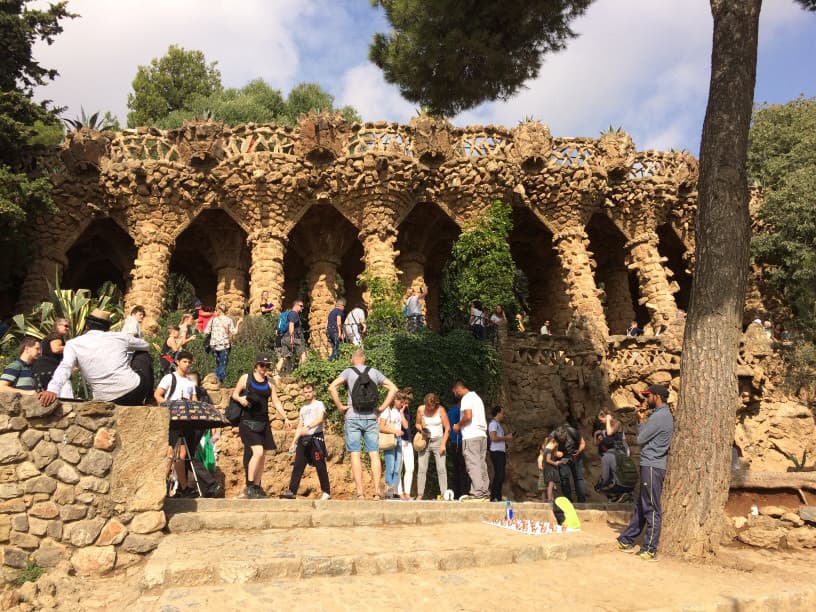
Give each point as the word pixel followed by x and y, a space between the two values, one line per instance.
pixel 372 176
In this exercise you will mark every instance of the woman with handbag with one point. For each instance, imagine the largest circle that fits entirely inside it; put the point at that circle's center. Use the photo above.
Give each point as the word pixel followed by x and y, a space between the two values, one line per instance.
pixel 432 421
pixel 407 460
pixel 254 392
pixel 391 429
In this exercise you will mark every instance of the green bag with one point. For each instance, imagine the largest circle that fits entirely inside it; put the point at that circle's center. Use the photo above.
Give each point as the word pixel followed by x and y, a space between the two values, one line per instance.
pixel 205 452
pixel 626 472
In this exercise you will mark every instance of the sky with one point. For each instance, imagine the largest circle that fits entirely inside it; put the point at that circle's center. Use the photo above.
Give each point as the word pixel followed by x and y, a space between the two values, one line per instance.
pixel 642 65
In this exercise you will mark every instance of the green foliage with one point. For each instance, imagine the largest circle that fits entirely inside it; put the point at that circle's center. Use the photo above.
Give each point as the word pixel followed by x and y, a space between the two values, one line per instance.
pixel 22 123
pixel 782 158
pixel 30 573
pixel 800 365
pixel 256 102
pixel 68 304
pixel 169 83
pixel 488 49
pixel 385 312
pixel 481 265
pixel 425 361
pixel 180 293
pixel 46 135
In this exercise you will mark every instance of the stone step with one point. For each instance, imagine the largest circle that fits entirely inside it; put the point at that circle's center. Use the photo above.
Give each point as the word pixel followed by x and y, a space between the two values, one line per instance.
pixel 189 515
pixel 273 554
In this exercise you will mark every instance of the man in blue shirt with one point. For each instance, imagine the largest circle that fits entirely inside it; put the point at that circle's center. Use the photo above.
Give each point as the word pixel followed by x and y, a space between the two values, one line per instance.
pixel 461 481
pixel 17 377
pixel 292 344
pixel 334 328
pixel 654 438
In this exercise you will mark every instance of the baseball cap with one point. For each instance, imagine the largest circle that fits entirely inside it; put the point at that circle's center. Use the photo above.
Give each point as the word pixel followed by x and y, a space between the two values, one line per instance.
pixel 657 390
pixel 263 358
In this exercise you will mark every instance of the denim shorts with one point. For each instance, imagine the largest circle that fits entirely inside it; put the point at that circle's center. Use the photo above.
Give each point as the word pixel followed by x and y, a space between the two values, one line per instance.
pixel 367 429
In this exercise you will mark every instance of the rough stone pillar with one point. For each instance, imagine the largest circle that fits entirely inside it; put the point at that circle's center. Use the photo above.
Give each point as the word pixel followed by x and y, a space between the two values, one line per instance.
pixel 231 288
pixel 619 308
pixel 266 270
pixel 43 270
pixel 322 279
pixel 149 277
pixel 653 278
pixel 379 235
pixel 578 268
pixel 412 266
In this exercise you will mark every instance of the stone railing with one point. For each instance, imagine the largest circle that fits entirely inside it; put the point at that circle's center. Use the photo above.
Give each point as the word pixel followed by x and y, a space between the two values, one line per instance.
pixel 571 152
pixel 629 357
pixel 141 144
pixel 81 482
pixel 247 139
pixel 488 142
pixel 548 351
pixel 381 137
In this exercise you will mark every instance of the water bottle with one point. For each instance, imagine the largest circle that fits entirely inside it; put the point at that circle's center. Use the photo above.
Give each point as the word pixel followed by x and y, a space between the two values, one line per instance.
pixel 508 511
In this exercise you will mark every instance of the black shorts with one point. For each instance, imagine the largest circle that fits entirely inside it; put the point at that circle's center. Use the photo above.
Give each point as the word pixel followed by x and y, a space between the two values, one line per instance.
pixel 253 438
pixel 192 437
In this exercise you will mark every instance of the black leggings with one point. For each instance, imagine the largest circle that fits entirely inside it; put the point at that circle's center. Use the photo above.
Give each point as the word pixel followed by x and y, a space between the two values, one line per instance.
pixel 499 460
pixel 301 459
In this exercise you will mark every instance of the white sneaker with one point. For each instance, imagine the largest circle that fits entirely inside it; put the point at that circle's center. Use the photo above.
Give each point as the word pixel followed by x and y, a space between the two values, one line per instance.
pixel 325 496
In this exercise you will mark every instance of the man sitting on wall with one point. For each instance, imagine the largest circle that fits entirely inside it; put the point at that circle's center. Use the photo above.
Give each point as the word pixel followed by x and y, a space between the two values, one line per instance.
pixel 17 376
pixel 104 360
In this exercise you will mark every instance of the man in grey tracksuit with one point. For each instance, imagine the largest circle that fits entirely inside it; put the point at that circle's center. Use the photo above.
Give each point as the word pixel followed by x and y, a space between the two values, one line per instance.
pixel 654 438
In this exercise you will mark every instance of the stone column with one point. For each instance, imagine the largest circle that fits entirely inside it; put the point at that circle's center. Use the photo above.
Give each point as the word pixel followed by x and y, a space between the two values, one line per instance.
pixel 266 270
pixel 579 278
pixel 149 277
pixel 43 270
pixel 231 288
pixel 412 266
pixel 322 279
pixel 619 308
pixel 653 278
pixel 379 235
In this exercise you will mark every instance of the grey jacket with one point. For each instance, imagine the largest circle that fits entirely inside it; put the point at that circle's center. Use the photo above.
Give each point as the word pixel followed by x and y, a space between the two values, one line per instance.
pixel 654 438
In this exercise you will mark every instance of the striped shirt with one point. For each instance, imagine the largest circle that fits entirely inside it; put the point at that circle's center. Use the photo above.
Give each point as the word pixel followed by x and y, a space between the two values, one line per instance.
pixel 18 374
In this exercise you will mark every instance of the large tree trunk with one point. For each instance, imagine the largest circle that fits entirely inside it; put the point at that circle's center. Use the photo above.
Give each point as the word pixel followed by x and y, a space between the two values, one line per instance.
pixel 699 463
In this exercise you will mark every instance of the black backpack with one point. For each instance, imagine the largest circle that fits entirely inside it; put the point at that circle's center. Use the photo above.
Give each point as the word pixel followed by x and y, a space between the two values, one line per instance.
pixel 364 395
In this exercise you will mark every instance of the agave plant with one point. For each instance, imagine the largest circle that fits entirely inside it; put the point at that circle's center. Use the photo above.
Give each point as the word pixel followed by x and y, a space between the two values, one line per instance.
pixel 94 122
pixel 70 304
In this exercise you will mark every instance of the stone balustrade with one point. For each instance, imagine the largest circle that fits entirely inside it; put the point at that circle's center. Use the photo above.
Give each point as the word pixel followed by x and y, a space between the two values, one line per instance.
pixel 82 482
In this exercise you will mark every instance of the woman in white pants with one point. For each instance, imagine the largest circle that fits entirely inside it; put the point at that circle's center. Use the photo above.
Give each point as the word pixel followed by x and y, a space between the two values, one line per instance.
pixel 402 401
pixel 433 421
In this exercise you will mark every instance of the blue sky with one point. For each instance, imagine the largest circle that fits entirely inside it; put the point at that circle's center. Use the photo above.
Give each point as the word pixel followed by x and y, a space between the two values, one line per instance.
pixel 639 64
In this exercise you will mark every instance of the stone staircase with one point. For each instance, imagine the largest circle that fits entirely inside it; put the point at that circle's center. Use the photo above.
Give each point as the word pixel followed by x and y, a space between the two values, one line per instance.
pixel 222 541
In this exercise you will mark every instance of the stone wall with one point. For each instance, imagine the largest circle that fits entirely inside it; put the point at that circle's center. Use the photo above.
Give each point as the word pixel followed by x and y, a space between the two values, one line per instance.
pixel 81 482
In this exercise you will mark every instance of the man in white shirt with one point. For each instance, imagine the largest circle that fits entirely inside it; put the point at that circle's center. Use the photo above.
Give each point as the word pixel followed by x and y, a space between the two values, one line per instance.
pixel 176 386
pixel 104 360
pixel 355 325
pixel 132 325
pixel 413 309
pixel 545 329
pixel 473 426
pixel 309 444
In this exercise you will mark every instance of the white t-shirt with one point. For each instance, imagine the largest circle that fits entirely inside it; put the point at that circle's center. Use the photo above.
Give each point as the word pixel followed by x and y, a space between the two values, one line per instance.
pixel 477 316
pixel 185 388
pixel 310 413
pixel 392 418
pixel 477 427
pixel 496 426
pixel 496 319
pixel 412 306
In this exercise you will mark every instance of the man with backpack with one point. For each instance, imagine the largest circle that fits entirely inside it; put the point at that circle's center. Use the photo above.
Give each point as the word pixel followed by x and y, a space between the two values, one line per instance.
pixel 290 331
pixel 619 475
pixel 362 412
pixel 572 444
pixel 654 438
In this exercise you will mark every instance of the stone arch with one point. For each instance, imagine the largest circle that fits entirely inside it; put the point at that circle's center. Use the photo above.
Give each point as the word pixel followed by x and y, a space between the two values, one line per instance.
pixel 608 244
pixel 102 251
pixel 531 244
pixel 424 242
pixel 212 254
pixel 676 253
pixel 323 250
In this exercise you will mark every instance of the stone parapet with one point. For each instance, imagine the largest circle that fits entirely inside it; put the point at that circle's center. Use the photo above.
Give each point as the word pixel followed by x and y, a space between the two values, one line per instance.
pixel 81 482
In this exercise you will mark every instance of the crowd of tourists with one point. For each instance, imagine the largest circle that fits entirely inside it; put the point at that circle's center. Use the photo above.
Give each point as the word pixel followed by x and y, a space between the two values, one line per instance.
pixel 116 366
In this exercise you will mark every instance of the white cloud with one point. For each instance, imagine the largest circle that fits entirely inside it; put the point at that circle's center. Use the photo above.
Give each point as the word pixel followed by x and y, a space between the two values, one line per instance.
pixel 365 89
pixel 98 53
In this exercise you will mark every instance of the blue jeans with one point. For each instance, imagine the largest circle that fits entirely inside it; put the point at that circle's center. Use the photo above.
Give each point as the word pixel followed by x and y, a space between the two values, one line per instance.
pixel 362 429
pixel 334 339
pixel 392 465
pixel 221 361
pixel 574 468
